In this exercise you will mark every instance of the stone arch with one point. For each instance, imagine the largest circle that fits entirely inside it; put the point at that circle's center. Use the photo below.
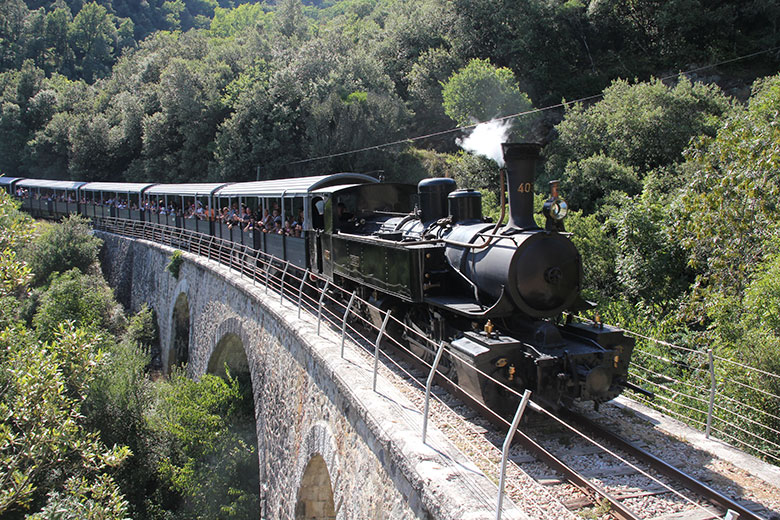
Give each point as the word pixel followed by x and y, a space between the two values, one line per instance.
pixel 318 495
pixel 228 349
pixel 179 350
pixel 315 496
pixel 229 354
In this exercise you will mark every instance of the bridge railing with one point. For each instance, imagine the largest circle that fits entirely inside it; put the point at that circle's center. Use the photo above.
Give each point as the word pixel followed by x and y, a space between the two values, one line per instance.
pixel 732 401
pixel 358 321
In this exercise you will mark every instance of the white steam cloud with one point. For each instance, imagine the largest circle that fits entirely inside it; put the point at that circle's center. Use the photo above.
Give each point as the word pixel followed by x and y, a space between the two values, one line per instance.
pixel 486 139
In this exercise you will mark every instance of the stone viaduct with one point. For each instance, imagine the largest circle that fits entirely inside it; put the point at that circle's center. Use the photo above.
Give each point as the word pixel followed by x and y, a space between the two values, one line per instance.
pixel 328 446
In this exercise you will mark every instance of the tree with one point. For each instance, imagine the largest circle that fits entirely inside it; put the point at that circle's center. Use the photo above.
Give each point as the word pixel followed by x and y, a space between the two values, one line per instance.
pixel 642 126
pixel 289 19
pixel 425 78
pixel 15 275
pixel 62 247
pixel 43 441
pixel 93 36
pixel 728 211
pixel 82 299
pixel 208 426
pixel 481 92
pixel 588 181
pixel 59 55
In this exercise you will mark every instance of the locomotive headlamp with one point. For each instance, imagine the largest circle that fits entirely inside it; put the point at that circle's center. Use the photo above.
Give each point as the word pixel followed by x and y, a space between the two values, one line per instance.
pixel 558 209
pixel 555 207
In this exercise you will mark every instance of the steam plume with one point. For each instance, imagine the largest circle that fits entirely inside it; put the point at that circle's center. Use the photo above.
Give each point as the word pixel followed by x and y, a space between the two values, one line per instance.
pixel 486 139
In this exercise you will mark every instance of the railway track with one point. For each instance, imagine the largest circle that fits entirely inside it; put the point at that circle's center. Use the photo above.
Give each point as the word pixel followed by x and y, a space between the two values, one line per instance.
pixel 686 498
pixel 662 479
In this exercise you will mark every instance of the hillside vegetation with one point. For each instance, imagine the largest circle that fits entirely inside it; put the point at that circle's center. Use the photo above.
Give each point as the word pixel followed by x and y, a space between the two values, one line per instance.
pixel 85 432
pixel 674 181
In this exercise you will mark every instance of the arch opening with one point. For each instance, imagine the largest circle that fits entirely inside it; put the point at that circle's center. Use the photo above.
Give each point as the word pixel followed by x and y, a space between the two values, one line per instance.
pixel 315 496
pixel 229 357
pixel 180 344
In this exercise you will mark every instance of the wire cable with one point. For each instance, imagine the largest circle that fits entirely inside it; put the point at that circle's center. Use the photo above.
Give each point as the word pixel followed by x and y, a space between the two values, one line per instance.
pixel 562 104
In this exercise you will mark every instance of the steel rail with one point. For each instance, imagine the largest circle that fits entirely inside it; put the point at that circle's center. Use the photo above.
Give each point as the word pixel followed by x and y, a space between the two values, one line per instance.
pixel 589 488
pixel 662 467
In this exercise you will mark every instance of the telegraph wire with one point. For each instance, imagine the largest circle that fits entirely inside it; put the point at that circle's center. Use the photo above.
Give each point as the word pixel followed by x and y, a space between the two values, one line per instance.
pixel 562 104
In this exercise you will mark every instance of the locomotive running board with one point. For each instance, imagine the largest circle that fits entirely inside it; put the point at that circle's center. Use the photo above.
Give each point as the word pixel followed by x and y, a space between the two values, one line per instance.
pixel 472 308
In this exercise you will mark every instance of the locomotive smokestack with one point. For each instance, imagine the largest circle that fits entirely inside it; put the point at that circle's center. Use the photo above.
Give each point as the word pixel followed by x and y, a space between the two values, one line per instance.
pixel 521 160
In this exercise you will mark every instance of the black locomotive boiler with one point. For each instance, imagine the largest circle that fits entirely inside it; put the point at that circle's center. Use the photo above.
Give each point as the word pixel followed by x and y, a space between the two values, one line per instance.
pixel 498 295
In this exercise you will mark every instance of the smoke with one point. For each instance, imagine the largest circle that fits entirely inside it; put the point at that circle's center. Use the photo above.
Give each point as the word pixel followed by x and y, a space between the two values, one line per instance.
pixel 486 139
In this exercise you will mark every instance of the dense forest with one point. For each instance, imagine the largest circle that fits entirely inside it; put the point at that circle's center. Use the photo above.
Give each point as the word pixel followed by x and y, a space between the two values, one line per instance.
pixel 659 117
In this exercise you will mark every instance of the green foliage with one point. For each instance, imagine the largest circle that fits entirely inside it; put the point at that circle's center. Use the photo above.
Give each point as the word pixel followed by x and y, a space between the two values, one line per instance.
pixel 587 181
pixel 15 275
pixel 596 242
pixel 61 247
pixel 230 22
pixel 142 328
pixel 92 36
pixel 82 499
pixel 173 267
pixel 641 126
pixel 117 404
pixel 729 209
pixel 481 92
pixel 209 426
pixel 83 299
pixel 650 262
pixel 15 227
pixel 42 437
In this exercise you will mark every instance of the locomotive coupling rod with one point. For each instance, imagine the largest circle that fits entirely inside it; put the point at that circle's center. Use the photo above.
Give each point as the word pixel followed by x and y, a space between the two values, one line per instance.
pixel 662 467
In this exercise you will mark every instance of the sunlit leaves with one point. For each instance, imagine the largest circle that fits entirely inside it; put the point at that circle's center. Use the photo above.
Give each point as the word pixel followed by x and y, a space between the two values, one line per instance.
pixel 729 209
pixel 481 92
pixel 42 434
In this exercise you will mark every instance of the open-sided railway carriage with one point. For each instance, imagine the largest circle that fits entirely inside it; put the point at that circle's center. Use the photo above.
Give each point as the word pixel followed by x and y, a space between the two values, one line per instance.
pixel 497 294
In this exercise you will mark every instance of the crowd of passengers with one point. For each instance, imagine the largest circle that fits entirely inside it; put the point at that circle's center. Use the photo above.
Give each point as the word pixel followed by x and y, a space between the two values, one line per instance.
pixel 243 218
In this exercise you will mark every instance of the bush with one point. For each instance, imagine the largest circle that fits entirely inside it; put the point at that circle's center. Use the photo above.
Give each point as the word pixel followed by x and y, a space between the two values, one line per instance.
pixel 173 267
pixel 641 126
pixel 210 430
pixel 588 181
pixel 44 440
pixel 61 247
pixel 82 299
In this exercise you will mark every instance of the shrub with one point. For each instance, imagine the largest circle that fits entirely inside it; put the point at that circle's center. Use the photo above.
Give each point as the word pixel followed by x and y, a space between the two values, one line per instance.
pixel 173 267
pixel 83 299
pixel 62 247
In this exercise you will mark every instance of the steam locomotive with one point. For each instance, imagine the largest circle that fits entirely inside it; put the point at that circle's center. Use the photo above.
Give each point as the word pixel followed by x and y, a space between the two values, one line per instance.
pixel 499 295
pixel 496 294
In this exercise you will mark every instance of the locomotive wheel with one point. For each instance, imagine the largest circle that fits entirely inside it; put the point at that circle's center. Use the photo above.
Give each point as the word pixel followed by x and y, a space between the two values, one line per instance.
pixel 421 322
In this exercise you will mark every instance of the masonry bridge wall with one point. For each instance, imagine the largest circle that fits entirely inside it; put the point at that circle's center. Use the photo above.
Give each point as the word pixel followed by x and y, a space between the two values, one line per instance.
pixel 328 447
